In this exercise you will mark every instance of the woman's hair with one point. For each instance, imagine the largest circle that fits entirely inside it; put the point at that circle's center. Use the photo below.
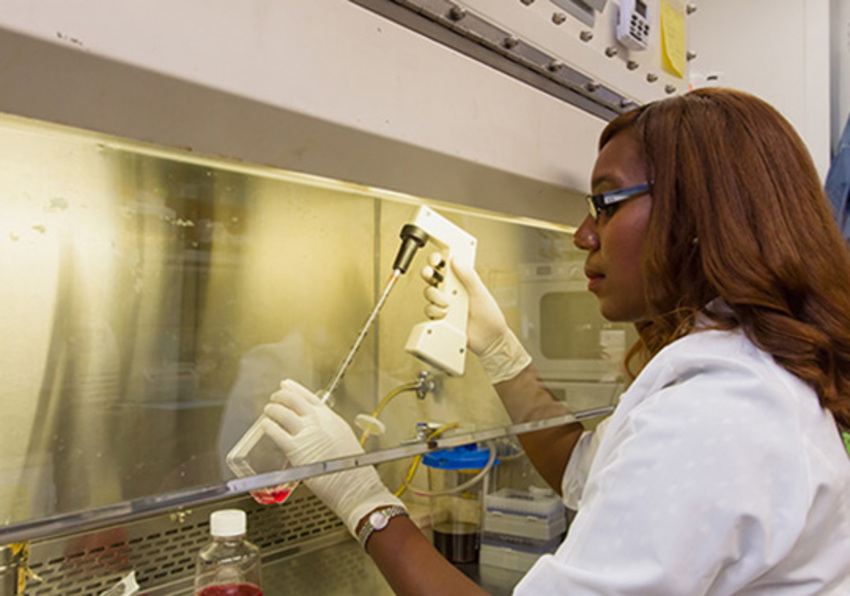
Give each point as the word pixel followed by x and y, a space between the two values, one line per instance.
pixel 739 213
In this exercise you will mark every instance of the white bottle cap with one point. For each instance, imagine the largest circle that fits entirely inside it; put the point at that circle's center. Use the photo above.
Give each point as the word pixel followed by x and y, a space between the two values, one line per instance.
pixel 228 522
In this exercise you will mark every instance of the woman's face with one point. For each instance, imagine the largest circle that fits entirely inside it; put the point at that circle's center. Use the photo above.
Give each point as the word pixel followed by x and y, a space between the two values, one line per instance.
pixel 614 242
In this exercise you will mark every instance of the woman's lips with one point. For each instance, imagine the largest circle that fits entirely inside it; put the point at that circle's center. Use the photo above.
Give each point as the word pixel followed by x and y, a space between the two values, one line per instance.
pixel 594 279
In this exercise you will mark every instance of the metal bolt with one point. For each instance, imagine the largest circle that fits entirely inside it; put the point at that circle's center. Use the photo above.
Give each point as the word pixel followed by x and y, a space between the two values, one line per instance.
pixel 558 17
pixel 632 65
pixel 555 66
pixel 651 77
pixel 611 51
pixel 625 103
pixel 592 86
pixel 690 55
pixel 585 35
pixel 510 42
pixel 669 89
pixel 527 2
pixel 691 8
pixel 456 13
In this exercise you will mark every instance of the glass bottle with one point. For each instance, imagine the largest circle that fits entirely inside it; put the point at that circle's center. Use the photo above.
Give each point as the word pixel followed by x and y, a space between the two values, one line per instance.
pixel 228 565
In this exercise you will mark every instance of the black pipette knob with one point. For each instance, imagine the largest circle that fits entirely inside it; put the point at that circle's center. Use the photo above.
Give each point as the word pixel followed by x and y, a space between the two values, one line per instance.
pixel 413 238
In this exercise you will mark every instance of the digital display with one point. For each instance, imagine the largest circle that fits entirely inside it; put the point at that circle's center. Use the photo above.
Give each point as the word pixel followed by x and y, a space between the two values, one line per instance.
pixel 640 8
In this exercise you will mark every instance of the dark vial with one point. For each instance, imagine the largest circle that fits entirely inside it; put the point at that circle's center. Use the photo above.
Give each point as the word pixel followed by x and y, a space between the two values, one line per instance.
pixel 457 542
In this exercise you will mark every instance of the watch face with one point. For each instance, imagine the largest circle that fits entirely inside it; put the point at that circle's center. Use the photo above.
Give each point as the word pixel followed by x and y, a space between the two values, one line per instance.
pixel 378 520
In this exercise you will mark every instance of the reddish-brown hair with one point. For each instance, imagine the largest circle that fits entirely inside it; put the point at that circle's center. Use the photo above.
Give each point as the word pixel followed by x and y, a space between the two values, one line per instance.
pixel 739 213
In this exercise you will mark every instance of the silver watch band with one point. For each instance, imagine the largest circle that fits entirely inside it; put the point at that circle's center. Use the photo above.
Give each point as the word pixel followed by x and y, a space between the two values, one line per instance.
pixel 384 515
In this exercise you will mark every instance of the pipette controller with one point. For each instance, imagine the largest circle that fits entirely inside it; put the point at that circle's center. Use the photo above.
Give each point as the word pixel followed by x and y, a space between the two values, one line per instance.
pixel 442 343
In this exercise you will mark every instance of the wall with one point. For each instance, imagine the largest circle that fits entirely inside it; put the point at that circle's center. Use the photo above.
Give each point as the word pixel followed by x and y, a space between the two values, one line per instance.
pixel 839 68
pixel 776 49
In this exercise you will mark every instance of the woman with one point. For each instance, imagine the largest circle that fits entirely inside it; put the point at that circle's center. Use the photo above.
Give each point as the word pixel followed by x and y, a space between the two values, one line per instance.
pixel 722 469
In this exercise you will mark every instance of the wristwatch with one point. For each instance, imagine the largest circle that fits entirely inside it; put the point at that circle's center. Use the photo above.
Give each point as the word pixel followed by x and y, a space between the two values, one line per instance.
pixel 377 521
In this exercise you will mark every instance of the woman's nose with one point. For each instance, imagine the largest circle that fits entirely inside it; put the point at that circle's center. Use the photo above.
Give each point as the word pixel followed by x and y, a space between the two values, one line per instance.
pixel 585 236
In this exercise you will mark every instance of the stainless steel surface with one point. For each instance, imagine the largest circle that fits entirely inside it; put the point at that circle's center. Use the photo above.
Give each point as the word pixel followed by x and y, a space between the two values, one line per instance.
pixel 150 311
pixel 341 569
pixel 370 320
pixel 154 299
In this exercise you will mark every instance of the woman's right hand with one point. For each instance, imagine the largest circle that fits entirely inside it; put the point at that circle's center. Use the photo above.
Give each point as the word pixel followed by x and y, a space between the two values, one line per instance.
pixel 488 334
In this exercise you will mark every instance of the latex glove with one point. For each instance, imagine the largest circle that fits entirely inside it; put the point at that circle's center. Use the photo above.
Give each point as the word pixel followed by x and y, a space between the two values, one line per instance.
pixel 488 335
pixel 308 431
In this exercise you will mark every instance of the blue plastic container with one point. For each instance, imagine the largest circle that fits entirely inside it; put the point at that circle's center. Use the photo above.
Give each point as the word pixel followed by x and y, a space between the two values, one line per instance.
pixel 466 457
pixel 456 513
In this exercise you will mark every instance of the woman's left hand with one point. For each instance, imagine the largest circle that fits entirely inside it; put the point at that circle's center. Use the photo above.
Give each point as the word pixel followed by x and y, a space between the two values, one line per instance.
pixel 308 431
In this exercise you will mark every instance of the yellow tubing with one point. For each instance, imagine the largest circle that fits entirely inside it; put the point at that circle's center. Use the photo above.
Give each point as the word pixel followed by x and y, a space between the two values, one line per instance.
pixel 385 400
pixel 416 460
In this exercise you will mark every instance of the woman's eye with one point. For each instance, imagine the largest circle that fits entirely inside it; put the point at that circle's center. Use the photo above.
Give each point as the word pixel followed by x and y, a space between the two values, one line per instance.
pixel 608 211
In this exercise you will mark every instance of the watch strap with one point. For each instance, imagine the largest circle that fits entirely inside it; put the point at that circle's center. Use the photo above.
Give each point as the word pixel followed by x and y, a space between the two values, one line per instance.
pixel 368 529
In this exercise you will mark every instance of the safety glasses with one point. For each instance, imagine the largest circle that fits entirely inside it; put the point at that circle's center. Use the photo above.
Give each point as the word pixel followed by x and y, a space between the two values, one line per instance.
pixel 604 201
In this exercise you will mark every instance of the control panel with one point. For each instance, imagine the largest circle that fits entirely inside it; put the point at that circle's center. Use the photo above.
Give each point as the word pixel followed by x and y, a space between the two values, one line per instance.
pixel 633 24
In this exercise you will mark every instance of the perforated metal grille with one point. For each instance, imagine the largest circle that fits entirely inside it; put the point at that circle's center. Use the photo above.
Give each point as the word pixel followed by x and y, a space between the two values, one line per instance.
pixel 162 549
pixel 340 570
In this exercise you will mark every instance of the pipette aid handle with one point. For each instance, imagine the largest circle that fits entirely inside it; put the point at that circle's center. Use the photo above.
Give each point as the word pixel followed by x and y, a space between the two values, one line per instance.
pixel 442 343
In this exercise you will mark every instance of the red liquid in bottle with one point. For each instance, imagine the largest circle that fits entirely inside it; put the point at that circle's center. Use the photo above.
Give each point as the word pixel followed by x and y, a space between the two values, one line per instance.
pixel 230 590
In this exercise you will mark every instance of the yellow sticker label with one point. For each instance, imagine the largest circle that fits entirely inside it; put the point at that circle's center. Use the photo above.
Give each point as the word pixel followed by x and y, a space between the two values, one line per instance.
pixel 673 49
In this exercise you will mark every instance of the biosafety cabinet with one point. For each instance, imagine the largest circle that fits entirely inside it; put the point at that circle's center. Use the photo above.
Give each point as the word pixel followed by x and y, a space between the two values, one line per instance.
pixel 202 199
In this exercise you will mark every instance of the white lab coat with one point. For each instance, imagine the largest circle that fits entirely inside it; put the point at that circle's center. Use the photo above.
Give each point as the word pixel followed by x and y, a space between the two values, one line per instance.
pixel 718 473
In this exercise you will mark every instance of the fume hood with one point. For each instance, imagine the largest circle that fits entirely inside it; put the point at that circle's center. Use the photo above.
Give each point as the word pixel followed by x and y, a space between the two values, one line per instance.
pixel 204 198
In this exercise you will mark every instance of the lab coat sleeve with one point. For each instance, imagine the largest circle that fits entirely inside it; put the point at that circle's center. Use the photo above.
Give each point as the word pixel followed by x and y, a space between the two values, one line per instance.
pixel 692 487
pixel 578 467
